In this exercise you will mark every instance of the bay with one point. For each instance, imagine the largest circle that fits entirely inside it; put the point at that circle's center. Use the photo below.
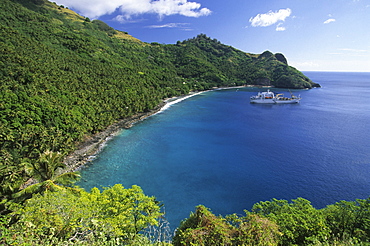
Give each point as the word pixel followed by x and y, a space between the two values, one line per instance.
pixel 219 150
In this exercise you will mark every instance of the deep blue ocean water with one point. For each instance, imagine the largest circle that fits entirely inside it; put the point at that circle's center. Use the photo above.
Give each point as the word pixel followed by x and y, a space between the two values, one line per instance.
pixel 219 150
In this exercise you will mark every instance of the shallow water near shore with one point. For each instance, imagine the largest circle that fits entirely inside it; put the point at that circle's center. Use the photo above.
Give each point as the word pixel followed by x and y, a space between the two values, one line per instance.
pixel 219 150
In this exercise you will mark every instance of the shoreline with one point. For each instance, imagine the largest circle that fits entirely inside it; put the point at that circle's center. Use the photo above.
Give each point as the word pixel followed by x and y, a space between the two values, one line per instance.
pixel 87 150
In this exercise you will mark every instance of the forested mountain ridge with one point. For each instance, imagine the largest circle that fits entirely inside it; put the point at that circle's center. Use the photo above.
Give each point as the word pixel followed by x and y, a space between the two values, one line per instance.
pixel 211 61
pixel 64 76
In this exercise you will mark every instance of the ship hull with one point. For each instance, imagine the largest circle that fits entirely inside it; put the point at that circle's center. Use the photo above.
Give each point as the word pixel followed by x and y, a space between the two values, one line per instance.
pixel 287 101
pixel 274 101
pixel 262 101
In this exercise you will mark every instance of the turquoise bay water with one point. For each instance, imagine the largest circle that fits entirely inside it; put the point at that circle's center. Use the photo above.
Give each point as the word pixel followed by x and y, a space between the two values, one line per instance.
pixel 219 150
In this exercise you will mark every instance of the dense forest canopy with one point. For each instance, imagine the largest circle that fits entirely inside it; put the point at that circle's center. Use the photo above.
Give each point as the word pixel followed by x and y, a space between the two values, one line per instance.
pixel 64 77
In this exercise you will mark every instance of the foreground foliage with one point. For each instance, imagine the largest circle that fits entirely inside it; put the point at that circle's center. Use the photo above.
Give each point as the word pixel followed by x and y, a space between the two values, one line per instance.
pixel 47 174
pixel 279 222
pixel 118 216
pixel 204 228
pixel 115 215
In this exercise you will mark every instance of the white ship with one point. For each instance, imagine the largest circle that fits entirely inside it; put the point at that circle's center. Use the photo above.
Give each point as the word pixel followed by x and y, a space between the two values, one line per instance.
pixel 270 97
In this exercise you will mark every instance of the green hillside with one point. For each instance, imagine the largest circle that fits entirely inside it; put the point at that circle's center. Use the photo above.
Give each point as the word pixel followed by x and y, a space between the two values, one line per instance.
pixel 208 60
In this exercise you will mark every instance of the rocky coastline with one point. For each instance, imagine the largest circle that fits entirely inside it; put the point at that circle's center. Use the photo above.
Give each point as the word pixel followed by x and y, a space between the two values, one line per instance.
pixel 92 145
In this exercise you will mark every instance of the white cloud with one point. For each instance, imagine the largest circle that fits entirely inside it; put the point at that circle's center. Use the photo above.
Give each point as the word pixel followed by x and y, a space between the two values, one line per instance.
pixel 91 8
pixel 123 19
pixel 353 50
pixel 305 65
pixel 171 25
pixel 348 52
pixel 128 8
pixel 270 18
pixel 181 7
pixel 280 28
pixel 329 20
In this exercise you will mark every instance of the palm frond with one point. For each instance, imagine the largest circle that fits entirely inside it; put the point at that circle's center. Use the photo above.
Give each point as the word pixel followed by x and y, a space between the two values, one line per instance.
pixel 67 178
pixel 28 191
pixel 50 185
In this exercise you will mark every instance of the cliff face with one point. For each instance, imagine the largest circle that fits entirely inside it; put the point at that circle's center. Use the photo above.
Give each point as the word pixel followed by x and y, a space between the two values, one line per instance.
pixel 281 58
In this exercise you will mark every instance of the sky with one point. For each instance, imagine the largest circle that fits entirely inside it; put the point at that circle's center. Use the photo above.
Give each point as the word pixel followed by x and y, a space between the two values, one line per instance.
pixel 314 35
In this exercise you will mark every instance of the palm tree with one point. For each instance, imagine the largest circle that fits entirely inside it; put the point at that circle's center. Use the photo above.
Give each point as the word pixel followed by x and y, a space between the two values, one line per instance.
pixel 46 173
pixel 10 179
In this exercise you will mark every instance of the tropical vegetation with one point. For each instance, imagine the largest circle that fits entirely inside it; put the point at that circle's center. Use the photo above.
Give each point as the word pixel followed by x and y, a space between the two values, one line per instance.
pixel 119 216
pixel 280 222
pixel 64 78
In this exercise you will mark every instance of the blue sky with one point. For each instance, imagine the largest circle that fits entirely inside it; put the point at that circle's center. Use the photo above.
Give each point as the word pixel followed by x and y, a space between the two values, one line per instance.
pixel 314 35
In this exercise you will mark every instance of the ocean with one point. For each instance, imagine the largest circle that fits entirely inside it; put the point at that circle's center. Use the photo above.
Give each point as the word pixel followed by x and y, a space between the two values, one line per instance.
pixel 218 150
